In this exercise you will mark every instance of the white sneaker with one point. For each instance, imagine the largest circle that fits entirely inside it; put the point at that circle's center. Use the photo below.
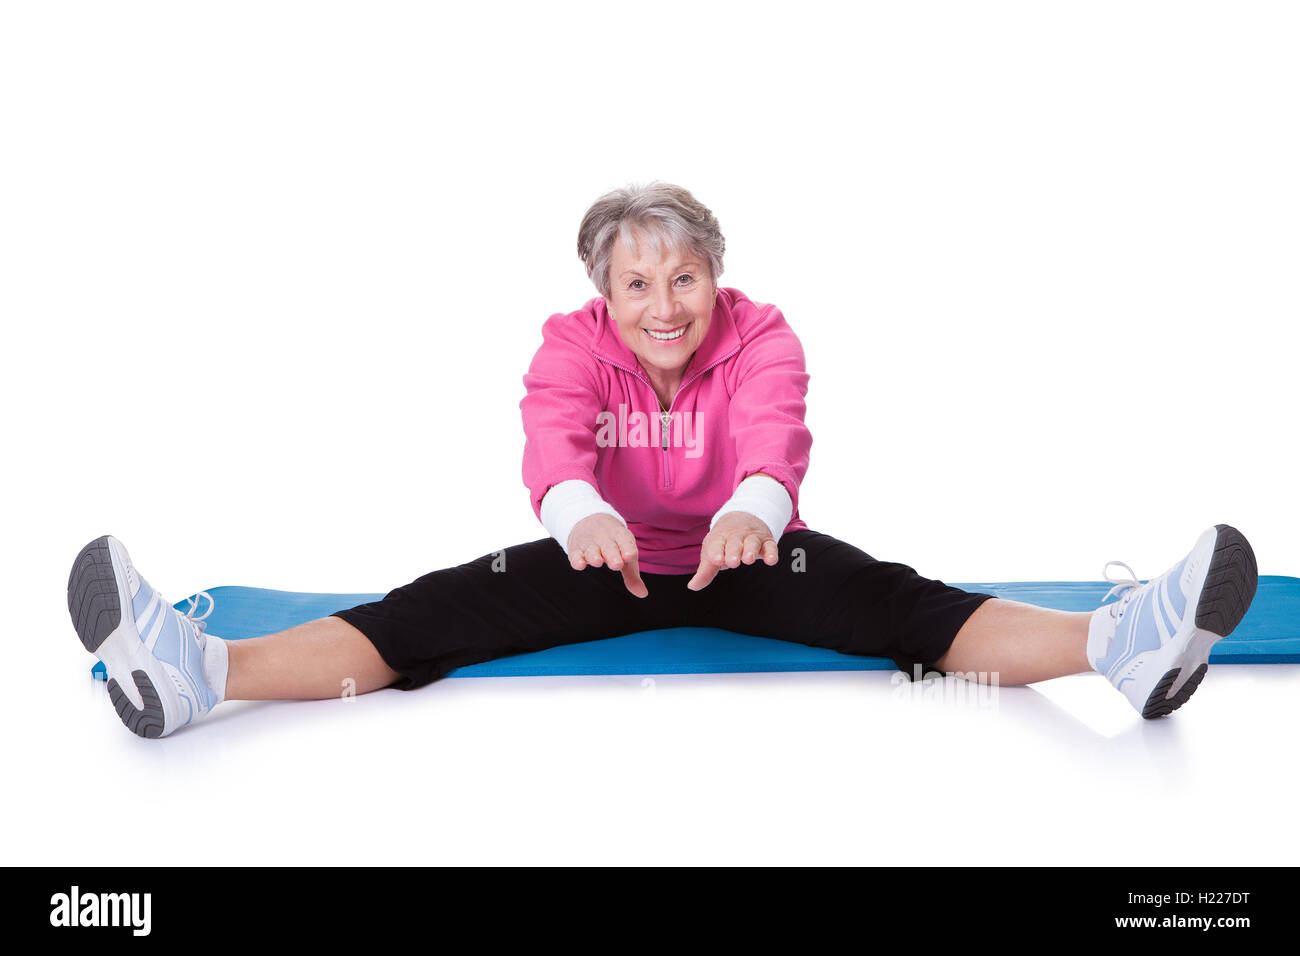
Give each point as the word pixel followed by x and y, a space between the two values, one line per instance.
pixel 172 664
pixel 1154 643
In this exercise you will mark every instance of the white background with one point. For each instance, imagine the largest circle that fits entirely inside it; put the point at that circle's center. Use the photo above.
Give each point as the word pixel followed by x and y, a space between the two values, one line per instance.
pixel 271 275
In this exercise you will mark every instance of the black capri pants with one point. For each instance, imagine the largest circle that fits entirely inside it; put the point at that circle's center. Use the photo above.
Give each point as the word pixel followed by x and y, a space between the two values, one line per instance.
pixel 821 592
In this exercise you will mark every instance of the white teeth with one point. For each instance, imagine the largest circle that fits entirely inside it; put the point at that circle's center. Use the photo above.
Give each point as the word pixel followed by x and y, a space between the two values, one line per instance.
pixel 667 336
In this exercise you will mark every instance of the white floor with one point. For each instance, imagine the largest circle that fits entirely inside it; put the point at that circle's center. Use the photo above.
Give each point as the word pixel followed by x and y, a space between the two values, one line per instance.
pixel 798 768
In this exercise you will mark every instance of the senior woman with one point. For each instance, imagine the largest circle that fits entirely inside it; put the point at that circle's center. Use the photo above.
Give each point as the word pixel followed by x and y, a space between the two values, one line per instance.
pixel 664 449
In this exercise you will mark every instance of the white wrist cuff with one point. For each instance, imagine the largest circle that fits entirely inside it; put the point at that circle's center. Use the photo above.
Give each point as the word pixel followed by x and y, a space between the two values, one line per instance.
pixel 568 503
pixel 763 497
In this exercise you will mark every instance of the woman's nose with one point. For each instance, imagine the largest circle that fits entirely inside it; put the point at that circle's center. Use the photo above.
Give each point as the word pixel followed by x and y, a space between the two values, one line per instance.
pixel 663 304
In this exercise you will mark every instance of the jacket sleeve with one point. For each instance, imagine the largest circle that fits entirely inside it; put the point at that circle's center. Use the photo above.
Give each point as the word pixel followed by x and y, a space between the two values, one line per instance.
pixel 559 410
pixel 767 404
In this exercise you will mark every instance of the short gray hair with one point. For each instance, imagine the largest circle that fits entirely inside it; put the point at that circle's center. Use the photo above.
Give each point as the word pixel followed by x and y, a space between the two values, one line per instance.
pixel 664 213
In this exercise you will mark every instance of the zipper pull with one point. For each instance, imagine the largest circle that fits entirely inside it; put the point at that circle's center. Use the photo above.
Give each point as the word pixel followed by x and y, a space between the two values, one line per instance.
pixel 666 424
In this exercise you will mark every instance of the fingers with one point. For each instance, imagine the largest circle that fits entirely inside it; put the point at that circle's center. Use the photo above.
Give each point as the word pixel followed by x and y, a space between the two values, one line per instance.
pixel 734 543
pixel 740 547
pixel 632 578
pixel 611 546
pixel 624 559
pixel 713 558
pixel 611 555
pixel 586 554
pixel 724 548
pixel 706 572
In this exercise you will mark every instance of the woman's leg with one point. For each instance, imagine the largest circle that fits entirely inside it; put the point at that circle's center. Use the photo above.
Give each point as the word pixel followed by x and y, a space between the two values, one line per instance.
pixel 313 661
pixel 524 598
pixel 1021 643
pixel 165 672
pixel 828 593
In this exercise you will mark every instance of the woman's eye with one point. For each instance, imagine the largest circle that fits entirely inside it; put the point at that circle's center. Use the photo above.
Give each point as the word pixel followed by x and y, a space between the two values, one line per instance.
pixel 636 285
pixel 685 278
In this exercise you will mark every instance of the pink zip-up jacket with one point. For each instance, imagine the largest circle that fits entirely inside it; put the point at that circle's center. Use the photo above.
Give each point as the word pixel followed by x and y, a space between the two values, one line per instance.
pixel 590 413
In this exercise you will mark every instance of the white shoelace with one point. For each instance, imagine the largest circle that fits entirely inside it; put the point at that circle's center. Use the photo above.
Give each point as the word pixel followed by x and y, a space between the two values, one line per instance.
pixel 199 624
pixel 1127 587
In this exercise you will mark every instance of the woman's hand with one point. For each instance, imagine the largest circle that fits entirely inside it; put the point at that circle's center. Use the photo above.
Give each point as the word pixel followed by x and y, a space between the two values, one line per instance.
pixel 601 539
pixel 738 538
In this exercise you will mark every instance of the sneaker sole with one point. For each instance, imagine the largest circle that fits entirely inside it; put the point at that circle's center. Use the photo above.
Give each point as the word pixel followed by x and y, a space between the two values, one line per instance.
pixel 1229 587
pixel 96 596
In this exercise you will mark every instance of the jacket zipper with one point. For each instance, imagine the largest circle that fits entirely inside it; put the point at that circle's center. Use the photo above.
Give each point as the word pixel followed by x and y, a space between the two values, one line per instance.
pixel 665 425
pixel 665 417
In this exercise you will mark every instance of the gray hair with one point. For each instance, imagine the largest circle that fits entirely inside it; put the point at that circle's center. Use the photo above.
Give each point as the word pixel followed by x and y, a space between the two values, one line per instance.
pixel 665 214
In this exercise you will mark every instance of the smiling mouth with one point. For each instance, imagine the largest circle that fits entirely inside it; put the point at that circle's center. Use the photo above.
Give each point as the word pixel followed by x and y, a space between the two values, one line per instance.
pixel 669 336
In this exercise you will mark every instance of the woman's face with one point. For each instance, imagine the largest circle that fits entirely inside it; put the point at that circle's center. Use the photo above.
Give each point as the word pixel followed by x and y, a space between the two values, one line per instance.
pixel 661 304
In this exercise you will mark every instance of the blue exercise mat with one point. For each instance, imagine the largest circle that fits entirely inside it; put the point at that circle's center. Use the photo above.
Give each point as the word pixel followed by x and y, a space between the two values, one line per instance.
pixel 1268 634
